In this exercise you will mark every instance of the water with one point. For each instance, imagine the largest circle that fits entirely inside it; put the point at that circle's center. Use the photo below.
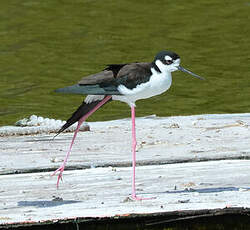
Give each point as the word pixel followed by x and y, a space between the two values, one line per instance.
pixel 46 45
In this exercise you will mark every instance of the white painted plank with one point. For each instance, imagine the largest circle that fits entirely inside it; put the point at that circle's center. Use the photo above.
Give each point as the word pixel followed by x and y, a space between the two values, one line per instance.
pixel 104 191
pixel 159 139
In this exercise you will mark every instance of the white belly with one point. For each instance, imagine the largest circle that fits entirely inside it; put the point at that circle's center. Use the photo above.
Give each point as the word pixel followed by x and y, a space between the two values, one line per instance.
pixel 157 84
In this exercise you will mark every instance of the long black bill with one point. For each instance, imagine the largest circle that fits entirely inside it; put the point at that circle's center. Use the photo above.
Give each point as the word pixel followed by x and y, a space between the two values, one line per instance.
pixel 187 71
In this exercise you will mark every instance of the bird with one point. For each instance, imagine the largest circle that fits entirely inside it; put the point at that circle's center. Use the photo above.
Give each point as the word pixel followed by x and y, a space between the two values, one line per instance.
pixel 128 83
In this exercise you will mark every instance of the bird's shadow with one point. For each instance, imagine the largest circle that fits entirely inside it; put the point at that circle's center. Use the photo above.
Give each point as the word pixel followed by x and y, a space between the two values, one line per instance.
pixel 204 190
pixel 45 203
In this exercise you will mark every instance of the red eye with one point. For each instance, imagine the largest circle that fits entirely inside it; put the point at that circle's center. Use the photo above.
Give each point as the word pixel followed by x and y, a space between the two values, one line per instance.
pixel 168 62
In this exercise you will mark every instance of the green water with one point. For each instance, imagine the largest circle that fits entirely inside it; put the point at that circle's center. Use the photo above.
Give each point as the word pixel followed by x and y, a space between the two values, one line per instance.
pixel 48 44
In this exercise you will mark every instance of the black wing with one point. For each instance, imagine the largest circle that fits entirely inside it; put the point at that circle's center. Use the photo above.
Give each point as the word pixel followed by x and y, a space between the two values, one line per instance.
pixel 134 74
pixel 102 83
pixel 89 90
pixel 107 81
pixel 93 85
pixel 130 75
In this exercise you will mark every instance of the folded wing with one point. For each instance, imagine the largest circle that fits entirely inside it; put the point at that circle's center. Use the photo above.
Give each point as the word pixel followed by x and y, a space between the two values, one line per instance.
pixel 107 81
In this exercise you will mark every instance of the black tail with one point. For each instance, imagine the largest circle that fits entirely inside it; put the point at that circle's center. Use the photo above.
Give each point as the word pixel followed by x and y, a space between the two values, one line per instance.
pixel 78 114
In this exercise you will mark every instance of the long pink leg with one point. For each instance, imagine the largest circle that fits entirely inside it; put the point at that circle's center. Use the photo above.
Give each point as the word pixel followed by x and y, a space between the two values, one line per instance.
pixel 134 156
pixel 133 151
pixel 61 168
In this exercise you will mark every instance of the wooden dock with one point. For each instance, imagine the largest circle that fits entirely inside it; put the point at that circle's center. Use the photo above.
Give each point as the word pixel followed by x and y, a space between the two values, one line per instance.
pixel 187 164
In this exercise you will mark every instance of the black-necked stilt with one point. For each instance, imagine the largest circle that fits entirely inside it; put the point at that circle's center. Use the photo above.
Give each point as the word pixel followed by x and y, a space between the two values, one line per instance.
pixel 122 82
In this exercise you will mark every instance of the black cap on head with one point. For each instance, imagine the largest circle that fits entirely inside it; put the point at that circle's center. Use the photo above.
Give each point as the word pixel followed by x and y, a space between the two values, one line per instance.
pixel 161 55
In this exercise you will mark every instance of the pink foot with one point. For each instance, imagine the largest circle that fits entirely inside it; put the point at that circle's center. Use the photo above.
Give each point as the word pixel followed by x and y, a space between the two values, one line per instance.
pixel 134 197
pixel 60 169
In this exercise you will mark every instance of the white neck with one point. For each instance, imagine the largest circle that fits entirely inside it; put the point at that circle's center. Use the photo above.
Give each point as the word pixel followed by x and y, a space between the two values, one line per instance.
pixel 161 66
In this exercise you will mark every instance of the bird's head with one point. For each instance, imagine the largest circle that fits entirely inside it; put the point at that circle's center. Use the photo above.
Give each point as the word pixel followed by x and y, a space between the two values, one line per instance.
pixel 168 61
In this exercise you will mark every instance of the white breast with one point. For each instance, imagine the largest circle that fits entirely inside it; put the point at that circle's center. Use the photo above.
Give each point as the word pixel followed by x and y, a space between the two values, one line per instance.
pixel 157 84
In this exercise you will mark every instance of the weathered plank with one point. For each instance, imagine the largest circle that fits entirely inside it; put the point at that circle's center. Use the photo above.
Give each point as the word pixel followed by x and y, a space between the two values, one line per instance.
pixel 160 141
pixel 104 191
